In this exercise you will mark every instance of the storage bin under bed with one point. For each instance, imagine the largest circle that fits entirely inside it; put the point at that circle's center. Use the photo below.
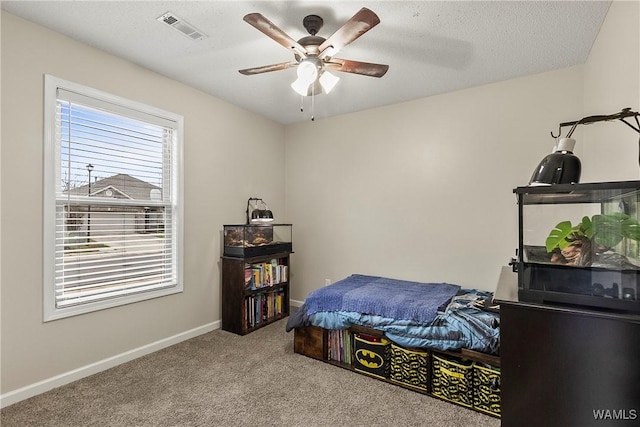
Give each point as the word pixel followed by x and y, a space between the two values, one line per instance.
pixel 486 389
pixel 410 367
pixel 372 355
pixel 452 379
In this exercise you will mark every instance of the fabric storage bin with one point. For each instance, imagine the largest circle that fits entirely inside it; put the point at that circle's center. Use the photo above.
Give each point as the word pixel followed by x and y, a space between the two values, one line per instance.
pixel 486 389
pixel 409 367
pixel 452 379
pixel 372 355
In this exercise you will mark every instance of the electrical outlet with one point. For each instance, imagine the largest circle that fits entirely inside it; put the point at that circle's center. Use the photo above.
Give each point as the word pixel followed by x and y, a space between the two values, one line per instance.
pixel 327 282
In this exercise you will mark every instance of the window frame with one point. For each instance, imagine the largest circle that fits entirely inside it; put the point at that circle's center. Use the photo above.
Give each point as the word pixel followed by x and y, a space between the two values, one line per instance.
pixel 50 174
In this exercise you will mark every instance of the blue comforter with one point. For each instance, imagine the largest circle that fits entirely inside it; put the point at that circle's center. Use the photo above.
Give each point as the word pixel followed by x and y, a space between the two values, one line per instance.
pixel 460 323
pixel 398 299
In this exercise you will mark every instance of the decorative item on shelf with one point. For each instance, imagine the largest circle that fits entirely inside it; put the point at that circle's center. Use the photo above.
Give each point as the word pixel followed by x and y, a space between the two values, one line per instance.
pixel 259 213
pixel 564 167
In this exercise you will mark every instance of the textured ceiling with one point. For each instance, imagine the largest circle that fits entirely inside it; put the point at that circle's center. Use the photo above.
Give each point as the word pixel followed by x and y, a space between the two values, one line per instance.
pixel 431 47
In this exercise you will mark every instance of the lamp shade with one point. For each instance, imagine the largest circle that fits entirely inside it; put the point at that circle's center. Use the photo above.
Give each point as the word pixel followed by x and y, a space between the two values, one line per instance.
pixel 261 215
pixel 258 212
pixel 307 74
pixel 301 86
pixel 328 81
pixel 559 167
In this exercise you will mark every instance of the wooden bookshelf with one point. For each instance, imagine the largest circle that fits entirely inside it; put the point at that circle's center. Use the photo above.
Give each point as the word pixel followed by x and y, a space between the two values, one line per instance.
pixel 255 291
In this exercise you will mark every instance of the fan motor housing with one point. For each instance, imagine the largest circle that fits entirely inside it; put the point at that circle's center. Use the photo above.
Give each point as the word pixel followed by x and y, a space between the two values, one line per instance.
pixel 312 23
pixel 311 44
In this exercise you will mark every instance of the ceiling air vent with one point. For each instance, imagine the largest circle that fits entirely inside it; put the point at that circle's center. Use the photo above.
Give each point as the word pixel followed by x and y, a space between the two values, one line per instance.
pixel 181 25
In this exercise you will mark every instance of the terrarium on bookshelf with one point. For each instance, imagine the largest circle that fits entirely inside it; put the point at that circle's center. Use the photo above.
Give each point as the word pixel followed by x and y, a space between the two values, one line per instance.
pixel 579 245
pixel 255 240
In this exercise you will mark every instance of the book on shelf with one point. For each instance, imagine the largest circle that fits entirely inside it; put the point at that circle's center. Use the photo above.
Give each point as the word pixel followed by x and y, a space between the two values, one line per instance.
pixel 340 346
pixel 268 279
pixel 265 274
pixel 248 278
pixel 276 271
pixel 263 307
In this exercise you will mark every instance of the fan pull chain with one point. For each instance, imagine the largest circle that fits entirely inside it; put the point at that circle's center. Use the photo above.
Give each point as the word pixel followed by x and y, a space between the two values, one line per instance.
pixel 313 97
pixel 313 104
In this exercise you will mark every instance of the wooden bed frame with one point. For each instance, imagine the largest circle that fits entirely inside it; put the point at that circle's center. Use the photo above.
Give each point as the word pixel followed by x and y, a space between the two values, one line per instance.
pixel 312 341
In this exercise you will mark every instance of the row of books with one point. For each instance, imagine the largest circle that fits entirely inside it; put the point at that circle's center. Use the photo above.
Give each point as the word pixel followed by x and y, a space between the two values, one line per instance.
pixel 264 274
pixel 340 346
pixel 263 307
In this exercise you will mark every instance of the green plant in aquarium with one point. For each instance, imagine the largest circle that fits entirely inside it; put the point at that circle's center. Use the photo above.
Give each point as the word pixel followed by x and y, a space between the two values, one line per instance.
pixel 577 243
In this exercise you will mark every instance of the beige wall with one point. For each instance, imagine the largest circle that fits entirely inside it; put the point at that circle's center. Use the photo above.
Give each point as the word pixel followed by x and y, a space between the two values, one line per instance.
pixel 609 151
pixel 218 144
pixel 421 190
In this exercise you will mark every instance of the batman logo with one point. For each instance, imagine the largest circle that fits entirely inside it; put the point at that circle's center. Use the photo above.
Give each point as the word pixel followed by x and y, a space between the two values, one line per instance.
pixel 369 359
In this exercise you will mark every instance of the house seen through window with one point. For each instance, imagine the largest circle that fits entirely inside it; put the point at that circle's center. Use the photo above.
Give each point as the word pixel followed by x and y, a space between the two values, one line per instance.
pixel 112 200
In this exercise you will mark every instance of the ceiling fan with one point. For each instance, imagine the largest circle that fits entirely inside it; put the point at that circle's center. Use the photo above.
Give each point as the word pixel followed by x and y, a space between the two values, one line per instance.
pixel 314 54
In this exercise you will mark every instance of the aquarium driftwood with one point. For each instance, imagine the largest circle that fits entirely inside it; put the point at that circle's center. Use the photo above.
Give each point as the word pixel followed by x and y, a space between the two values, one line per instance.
pixel 579 244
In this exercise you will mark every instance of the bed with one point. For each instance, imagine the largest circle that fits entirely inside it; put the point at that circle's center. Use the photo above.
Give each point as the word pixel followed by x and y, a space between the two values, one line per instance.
pixel 439 316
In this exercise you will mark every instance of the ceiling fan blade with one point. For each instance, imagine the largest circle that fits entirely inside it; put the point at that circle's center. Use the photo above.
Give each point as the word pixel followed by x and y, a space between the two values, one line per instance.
pixel 357 67
pixel 268 68
pixel 270 29
pixel 360 23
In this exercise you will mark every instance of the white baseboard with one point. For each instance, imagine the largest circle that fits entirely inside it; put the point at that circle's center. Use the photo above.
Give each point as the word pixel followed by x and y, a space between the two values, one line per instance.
pixel 31 390
pixel 295 303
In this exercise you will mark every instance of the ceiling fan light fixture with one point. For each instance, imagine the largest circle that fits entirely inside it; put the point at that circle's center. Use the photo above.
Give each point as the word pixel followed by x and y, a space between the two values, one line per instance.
pixel 300 86
pixel 328 81
pixel 314 54
pixel 307 70
pixel 307 74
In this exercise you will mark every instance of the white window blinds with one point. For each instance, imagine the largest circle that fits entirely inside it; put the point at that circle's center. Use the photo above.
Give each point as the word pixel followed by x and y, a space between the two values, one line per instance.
pixel 116 202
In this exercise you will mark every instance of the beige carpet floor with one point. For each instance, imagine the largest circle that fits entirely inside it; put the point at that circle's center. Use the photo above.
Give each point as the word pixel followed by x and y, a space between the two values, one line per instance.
pixel 221 379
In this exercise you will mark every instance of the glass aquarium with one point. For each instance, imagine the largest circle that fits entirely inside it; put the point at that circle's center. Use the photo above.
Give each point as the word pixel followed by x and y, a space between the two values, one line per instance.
pixel 579 244
pixel 256 240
